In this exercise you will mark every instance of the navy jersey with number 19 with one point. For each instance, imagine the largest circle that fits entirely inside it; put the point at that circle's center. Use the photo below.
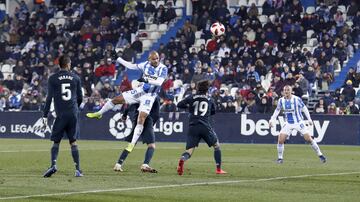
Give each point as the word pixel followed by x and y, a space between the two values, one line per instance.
pixel 201 107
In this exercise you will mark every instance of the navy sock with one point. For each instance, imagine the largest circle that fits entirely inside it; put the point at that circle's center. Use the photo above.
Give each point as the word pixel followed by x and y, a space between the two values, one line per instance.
pixel 185 156
pixel 54 153
pixel 123 156
pixel 75 155
pixel 148 155
pixel 217 157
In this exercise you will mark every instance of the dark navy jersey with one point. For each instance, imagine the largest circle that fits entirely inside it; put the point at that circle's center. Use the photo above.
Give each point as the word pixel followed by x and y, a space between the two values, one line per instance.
pixel 65 88
pixel 132 111
pixel 201 107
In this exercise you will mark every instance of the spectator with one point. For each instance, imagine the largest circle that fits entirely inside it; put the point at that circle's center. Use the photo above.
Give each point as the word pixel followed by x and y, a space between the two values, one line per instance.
pixel 107 91
pixel 348 92
pixel 14 101
pixel 320 107
pixel 105 71
pixel 137 45
pixel 168 106
pixel 297 90
pixel 328 99
pixel 125 84
pixel 264 106
pixel 9 82
pixel 351 108
pixel 332 109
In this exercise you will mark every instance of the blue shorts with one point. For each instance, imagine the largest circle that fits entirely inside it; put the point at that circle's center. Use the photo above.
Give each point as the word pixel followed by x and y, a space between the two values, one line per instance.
pixel 198 132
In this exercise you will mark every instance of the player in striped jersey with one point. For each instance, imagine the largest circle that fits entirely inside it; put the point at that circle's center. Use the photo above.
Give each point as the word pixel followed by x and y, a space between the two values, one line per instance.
pixel 154 74
pixel 292 107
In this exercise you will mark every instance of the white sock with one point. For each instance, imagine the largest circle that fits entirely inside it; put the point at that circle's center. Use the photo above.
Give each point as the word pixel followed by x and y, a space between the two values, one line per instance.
pixel 137 132
pixel 280 149
pixel 316 148
pixel 107 106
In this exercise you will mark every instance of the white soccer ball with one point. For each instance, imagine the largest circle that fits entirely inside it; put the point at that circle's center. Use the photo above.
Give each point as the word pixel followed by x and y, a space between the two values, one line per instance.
pixel 217 29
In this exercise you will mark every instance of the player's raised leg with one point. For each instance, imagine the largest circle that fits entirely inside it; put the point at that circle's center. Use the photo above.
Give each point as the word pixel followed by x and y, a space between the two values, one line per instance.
pixel 280 147
pixel 109 105
pixel 315 147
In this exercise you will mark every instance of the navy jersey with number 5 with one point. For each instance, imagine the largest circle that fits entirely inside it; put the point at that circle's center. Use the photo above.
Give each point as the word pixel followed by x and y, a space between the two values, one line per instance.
pixel 201 107
pixel 65 88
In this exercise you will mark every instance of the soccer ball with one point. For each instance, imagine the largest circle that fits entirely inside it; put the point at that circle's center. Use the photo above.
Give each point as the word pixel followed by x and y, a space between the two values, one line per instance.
pixel 217 29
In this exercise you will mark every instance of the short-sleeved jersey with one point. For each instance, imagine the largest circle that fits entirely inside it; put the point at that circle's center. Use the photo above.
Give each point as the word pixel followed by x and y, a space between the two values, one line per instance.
pixel 201 107
pixel 291 108
pixel 152 72
pixel 65 88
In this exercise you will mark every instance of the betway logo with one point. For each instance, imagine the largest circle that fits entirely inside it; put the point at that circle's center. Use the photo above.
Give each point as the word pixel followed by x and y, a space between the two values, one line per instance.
pixel 261 127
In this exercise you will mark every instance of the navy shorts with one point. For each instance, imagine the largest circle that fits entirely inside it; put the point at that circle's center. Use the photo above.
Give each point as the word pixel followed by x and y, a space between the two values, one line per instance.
pixel 147 135
pixel 65 124
pixel 198 132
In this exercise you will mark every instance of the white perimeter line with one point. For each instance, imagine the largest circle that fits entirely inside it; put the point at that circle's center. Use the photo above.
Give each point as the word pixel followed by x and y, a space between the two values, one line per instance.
pixel 177 185
pixel 47 150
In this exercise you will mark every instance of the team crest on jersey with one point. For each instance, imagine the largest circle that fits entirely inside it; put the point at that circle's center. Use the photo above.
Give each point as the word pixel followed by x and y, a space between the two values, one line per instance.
pixel 118 128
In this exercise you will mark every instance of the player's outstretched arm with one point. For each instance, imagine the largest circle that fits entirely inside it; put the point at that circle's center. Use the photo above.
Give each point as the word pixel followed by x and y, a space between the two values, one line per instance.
pixel 307 114
pixel 79 94
pixel 127 64
pixel 49 98
pixel 157 81
pixel 275 114
pixel 183 104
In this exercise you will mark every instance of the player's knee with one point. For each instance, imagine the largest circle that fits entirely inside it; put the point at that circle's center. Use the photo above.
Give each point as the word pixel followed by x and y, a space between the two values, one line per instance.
pixel 72 142
pixel 118 100
pixel 152 145
pixel 216 146
pixel 142 118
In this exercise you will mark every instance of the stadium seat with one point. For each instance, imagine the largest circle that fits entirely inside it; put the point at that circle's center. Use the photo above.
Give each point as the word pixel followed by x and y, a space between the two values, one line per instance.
pixel 232 11
pixel 261 2
pixel 199 42
pixel 179 12
pixel 60 21
pixel 76 14
pixel 59 14
pixel 153 27
pixel 179 4
pixel 2 7
pixel 160 3
pixel 6 74
pixel 309 33
pixel 263 19
pixel 51 21
pixel 6 68
pixel 154 36
pixel 310 10
pixel 154 3
pixel 342 8
pixel 233 91
pixel 350 23
pixel 198 34
pixel 163 27
pixel 147 43
pixel 313 42
pixel 242 3
pixel 260 11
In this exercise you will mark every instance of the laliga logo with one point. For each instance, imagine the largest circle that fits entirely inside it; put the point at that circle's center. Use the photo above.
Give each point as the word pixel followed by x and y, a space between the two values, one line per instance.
pixel 118 128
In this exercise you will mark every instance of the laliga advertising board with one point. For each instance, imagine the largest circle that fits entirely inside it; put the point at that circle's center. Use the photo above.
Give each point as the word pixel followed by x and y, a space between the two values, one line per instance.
pixel 230 128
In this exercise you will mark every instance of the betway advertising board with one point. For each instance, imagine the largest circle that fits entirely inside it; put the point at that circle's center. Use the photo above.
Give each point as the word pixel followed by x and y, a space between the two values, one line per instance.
pixel 230 128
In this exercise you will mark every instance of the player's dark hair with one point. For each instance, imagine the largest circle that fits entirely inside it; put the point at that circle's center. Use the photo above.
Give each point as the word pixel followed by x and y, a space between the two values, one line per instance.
pixel 63 61
pixel 203 87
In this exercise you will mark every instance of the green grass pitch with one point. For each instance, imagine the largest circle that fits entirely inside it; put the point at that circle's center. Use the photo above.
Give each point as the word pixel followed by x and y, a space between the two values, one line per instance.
pixel 253 173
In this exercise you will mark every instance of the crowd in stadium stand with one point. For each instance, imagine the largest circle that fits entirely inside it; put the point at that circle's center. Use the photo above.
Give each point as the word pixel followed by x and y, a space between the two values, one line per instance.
pixel 254 58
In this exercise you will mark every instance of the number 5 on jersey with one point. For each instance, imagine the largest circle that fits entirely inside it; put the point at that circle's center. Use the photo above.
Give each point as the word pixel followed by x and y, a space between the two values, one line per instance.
pixel 65 91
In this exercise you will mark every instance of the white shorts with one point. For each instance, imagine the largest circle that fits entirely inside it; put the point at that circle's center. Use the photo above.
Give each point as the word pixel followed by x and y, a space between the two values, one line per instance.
pixel 146 100
pixel 289 127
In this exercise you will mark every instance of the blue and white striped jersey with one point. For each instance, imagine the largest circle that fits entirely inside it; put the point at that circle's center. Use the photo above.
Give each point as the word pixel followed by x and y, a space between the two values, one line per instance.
pixel 291 108
pixel 149 71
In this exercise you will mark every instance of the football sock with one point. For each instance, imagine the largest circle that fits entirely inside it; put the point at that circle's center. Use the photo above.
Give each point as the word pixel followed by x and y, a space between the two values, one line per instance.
pixel 149 154
pixel 280 149
pixel 185 156
pixel 107 106
pixel 316 148
pixel 75 155
pixel 54 153
pixel 217 157
pixel 137 132
pixel 123 156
